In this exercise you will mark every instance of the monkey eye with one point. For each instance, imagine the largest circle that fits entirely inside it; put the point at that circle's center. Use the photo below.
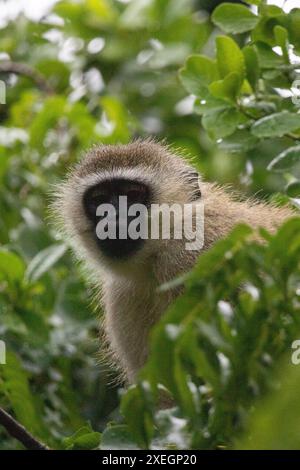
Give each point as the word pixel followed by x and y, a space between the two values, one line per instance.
pixel 109 191
pixel 93 198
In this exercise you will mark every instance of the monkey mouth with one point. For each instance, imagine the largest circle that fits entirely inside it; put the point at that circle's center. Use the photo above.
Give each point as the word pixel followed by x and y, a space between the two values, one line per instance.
pixel 119 249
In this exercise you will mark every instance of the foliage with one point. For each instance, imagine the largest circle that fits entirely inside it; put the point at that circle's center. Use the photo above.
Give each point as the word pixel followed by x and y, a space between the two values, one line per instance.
pixel 217 346
pixel 244 93
pixel 106 71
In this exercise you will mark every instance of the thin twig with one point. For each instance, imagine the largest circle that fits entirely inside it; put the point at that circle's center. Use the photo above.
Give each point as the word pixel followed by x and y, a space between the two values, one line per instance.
pixel 19 68
pixel 18 431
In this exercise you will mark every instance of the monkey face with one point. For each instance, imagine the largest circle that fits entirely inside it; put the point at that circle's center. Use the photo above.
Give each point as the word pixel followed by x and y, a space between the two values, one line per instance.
pixel 107 195
pixel 146 173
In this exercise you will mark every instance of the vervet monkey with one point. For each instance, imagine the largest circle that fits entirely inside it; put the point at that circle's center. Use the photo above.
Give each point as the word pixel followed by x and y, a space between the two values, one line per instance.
pixel 126 272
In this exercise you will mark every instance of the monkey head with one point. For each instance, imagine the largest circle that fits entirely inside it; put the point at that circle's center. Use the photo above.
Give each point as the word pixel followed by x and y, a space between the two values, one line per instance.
pixel 143 171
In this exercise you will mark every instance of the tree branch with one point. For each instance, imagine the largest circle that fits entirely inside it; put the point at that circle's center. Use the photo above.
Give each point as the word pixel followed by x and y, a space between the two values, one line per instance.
pixel 18 431
pixel 19 68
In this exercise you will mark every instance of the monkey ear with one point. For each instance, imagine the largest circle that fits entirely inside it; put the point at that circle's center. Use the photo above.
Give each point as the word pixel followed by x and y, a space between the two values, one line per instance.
pixel 194 180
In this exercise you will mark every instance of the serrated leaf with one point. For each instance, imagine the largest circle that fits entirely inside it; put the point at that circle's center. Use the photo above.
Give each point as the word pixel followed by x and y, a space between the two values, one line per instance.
pixel 233 18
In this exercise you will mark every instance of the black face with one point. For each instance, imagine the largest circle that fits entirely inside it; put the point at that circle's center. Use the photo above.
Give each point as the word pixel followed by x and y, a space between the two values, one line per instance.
pixel 108 192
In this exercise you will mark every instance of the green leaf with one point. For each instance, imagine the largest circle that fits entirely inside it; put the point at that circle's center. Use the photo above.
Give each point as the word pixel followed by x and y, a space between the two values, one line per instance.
pixel 138 413
pixel 84 438
pixel 267 58
pixel 282 407
pixel 253 2
pixel 82 124
pixel 88 441
pixel 252 65
pixel 259 109
pixel 44 261
pixel 118 437
pixel 281 38
pixel 240 141
pixel 270 10
pixel 228 88
pixel 198 72
pixel 224 123
pixel 233 18
pixel 52 110
pixel 286 159
pixel 276 125
pixel 218 254
pixel 208 103
pixel 293 189
pixel 117 113
pixel 69 441
pixel 229 57
pixel 12 267
pixel 14 382
pixel 294 26
pixel 264 30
